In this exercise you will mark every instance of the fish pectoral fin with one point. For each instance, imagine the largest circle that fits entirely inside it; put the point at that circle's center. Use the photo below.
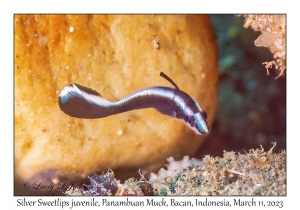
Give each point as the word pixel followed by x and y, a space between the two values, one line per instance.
pixel 166 110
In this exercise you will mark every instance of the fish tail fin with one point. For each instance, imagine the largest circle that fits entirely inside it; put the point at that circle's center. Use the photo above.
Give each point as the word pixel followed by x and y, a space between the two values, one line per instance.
pixel 82 102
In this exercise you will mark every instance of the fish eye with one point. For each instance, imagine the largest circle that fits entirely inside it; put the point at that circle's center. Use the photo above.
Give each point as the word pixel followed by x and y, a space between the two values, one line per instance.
pixel 205 115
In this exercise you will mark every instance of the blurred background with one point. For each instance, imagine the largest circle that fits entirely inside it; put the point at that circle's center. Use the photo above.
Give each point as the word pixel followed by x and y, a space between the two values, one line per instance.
pixel 251 105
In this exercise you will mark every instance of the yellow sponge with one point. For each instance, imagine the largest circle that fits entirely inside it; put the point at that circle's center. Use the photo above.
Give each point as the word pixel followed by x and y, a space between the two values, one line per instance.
pixel 115 55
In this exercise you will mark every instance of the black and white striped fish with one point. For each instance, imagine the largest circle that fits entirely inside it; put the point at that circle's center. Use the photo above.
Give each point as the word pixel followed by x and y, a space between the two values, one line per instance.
pixel 82 102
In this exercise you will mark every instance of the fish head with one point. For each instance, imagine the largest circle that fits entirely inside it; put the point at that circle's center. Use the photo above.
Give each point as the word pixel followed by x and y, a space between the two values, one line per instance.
pixel 197 122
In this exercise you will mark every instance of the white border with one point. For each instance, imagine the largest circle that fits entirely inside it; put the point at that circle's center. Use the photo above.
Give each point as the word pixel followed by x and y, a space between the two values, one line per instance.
pixel 8 8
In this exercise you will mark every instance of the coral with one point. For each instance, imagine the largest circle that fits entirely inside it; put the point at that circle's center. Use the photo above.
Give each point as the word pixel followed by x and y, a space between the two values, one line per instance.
pixel 256 172
pixel 173 167
pixel 131 187
pixel 102 185
pixel 137 187
pixel 273 28
pixel 146 187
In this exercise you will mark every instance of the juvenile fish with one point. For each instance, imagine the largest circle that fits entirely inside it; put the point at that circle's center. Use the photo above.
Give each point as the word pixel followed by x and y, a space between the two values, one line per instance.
pixel 82 102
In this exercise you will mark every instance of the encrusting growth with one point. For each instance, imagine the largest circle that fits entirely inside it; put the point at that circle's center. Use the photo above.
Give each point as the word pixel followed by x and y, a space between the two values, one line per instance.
pixel 256 172
pixel 273 29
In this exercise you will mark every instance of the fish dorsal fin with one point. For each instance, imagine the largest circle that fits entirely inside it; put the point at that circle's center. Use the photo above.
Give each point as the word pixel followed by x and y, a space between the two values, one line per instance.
pixel 87 90
pixel 169 80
